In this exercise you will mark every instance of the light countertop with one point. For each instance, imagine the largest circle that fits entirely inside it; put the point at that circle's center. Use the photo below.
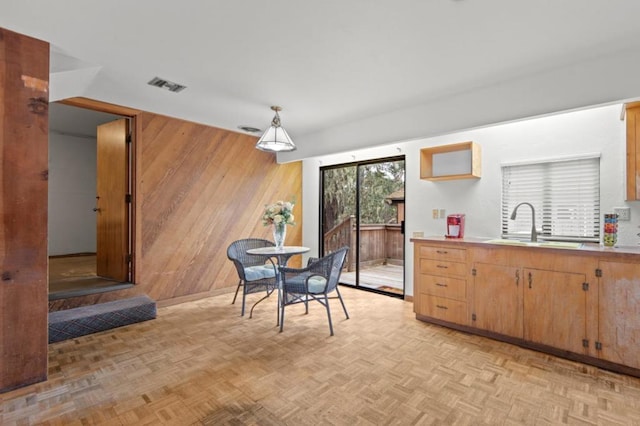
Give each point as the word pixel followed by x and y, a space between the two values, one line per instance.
pixel 487 241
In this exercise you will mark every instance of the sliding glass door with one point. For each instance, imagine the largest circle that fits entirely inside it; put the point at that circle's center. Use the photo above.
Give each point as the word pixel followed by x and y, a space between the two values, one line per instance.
pixel 362 207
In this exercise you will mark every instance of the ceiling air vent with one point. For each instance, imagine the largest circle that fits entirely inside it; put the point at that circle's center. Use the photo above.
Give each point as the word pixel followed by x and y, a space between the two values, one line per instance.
pixel 249 129
pixel 166 84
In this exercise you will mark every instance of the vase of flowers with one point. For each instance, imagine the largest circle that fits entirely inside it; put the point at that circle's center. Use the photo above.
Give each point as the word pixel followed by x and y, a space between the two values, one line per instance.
pixel 278 215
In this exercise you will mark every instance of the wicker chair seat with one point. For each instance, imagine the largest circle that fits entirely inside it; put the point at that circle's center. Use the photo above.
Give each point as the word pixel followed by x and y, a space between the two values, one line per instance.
pixel 259 272
pixel 254 275
pixel 315 282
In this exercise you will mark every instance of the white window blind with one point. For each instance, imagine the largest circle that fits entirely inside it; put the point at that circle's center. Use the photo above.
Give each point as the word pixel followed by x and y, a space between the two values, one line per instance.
pixel 565 194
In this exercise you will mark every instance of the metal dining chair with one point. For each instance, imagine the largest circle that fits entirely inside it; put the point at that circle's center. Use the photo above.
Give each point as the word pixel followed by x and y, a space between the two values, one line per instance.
pixel 255 274
pixel 315 282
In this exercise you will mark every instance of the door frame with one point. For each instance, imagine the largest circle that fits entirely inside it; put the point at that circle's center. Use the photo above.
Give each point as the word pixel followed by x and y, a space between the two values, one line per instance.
pixel 357 164
pixel 134 128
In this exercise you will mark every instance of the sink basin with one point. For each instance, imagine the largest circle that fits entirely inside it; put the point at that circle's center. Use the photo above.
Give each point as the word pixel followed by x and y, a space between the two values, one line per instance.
pixel 510 242
pixel 561 244
pixel 549 244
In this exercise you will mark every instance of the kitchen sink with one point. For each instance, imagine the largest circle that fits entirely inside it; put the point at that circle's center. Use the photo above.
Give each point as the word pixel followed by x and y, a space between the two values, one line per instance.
pixel 561 244
pixel 503 241
pixel 548 244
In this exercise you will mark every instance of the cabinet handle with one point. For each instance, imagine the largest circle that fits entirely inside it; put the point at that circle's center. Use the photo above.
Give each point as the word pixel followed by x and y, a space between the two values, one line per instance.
pixel 442 252
pixel 441 307
pixel 442 266
pixel 441 285
pixel 517 277
pixel 530 279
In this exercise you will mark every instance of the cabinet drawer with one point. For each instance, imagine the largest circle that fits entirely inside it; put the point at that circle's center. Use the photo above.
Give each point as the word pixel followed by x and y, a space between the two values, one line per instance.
pixel 443 268
pixel 444 309
pixel 454 288
pixel 444 253
pixel 495 256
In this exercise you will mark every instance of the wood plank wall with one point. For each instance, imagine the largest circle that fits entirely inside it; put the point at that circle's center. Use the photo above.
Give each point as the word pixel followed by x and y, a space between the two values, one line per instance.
pixel 24 126
pixel 198 189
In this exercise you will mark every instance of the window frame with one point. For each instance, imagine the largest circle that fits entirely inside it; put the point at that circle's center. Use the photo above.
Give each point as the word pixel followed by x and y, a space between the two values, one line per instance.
pixel 566 209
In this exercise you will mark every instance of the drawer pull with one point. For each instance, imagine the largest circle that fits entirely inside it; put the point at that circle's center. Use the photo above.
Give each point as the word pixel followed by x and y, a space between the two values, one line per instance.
pixel 442 266
pixel 441 307
pixel 441 285
pixel 442 252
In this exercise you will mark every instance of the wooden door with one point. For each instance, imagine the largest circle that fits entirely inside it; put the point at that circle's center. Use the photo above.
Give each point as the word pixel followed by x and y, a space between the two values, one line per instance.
pixel 555 309
pixel 619 313
pixel 498 302
pixel 112 189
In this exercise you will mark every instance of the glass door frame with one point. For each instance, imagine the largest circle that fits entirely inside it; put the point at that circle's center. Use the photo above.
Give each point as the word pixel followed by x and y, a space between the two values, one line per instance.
pixel 358 164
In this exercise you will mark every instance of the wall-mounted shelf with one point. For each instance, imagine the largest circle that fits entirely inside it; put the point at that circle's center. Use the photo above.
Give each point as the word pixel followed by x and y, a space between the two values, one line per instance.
pixel 448 162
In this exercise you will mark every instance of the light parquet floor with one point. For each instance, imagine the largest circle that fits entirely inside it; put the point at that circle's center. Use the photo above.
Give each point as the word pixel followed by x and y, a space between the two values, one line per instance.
pixel 200 363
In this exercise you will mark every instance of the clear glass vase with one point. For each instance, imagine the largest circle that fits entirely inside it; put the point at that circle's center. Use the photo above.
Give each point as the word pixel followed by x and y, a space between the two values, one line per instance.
pixel 279 234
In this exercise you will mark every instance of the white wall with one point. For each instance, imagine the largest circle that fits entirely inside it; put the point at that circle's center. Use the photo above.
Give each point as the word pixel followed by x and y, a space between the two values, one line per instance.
pixel 597 130
pixel 597 81
pixel 72 194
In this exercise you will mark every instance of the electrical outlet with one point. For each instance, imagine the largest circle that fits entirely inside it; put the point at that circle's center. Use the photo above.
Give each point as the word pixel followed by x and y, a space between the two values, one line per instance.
pixel 624 213
pixel 434 213
pixel 418 234
pixel 442 213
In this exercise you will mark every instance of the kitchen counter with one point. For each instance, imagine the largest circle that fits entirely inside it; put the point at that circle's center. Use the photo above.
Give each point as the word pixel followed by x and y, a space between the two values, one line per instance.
pixel 575 302
pixel 586 248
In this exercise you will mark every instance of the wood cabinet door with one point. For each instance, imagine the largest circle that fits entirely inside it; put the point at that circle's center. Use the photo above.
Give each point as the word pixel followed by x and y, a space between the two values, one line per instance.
pixel 555 311
pixel 498 296
pixel 619 313
pixel 633 151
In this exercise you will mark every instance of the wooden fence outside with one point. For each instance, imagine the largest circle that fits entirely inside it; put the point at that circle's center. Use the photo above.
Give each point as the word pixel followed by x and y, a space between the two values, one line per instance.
pixel 380 244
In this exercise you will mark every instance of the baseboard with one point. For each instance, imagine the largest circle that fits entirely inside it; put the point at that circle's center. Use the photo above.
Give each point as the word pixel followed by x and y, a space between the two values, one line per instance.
pixel 196 296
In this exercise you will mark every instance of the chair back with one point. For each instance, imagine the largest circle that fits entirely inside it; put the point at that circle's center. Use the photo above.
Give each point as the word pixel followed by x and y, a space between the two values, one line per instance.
pixel 237 253
pixel 330 266
pixel 314 282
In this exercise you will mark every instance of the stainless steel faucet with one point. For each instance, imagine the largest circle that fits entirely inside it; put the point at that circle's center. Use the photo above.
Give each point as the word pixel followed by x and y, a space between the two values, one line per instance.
pixel 534 233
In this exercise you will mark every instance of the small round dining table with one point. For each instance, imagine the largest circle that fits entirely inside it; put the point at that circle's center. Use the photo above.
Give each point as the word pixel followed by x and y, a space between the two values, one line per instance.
pixel 283 255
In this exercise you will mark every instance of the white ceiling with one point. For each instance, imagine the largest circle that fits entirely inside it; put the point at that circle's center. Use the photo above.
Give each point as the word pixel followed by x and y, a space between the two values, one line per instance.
pixel 348 73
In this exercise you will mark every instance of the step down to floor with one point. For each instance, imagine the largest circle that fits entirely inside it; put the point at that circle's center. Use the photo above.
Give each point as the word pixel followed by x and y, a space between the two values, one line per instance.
pixel 85 320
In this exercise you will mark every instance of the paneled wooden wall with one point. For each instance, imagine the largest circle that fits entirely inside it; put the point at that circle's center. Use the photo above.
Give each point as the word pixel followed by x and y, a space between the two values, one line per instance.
pixel 199 189
pixel 24 81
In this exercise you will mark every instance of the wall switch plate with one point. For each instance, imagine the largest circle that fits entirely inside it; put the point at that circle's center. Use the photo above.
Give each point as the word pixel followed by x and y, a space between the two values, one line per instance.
pixel 442 213
pixel 434 213
pixel 624 213
pixel 418 234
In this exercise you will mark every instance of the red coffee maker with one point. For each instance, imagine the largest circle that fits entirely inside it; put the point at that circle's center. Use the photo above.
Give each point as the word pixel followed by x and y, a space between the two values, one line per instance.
pixel 455 226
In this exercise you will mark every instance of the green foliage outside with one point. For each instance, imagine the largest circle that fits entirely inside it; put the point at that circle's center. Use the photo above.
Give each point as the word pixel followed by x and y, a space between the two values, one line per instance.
pixel 377 182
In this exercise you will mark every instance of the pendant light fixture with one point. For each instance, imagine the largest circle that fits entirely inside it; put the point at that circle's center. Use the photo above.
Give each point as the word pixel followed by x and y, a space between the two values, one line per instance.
pixel 275 139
